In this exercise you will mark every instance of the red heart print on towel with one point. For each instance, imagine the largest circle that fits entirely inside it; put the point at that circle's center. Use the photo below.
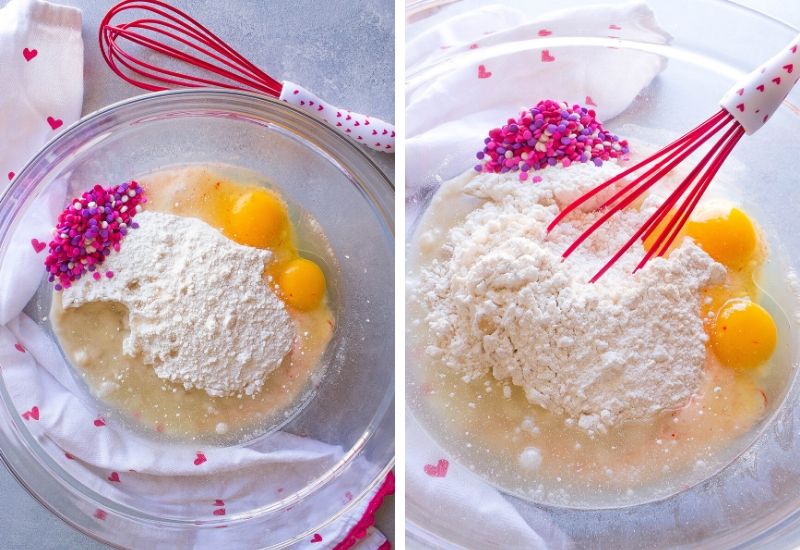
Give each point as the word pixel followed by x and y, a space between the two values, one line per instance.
pixel 546 57
pixel 31 414
pixel 316 538
pixel 10 176
pixel 740 106
pixel 777 80
pixel 114 477
pixel 544 32
pixel 38 245
pixel 19 347
pixel 200 458
pixel 437 470
pixel 740 91
pixel 590 101
pixel 788 68
pixel 99 422
pixel 29 54
pixel 760 87
pixel 100 514
pixel 55 123
pixel 482 72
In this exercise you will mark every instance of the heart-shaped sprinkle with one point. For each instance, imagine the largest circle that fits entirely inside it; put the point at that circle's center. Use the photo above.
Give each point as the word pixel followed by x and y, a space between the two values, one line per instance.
pixel 296 92
pixel 347 130
pixel 200 458
pixel 10 176
pixel 359 137
pixel 19 347
pixel 544 32
pixel 29 54
pixel 437 470
pixel 788 68
pixel 311 103
pixel 473 46
pixel 100 514
pixel 55 123
pixel 38 245
pixel 366 122
pixel 374 132
pixel 483 73
pixel 31 414
pixel 794 48
pixel 114 477
pixel 348 117
pixel 392 134
pixel 302 102
pixel 219 512
pixel 69 456
pixel 760 87
pixel 99 422
pixel 740 91
pixel 385 132
pixel 319 107
pixel 777 80
pixel 338 114
pixel 219 502
pixel 316 538
pixel 357 123
pixel 590 101
pixel 740 106
pixel 546 57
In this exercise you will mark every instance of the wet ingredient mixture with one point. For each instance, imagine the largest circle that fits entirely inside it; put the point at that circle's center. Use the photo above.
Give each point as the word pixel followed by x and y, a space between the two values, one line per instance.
pixel 574 394
pixel 207 322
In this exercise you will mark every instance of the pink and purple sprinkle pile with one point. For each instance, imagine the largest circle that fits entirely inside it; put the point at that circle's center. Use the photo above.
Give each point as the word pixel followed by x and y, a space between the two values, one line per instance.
pixel 89 229
pixel 548 134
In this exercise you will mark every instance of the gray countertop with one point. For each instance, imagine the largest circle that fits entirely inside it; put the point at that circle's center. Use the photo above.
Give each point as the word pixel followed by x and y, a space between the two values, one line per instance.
pixel 342 50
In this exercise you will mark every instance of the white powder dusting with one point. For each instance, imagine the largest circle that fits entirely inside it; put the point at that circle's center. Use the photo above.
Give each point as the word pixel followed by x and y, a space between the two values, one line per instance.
pixel 497 298
pixel 200 311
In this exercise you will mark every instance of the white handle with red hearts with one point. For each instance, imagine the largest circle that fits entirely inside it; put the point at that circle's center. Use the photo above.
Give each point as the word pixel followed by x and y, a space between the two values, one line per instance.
pixel 372 132
pixel 754 99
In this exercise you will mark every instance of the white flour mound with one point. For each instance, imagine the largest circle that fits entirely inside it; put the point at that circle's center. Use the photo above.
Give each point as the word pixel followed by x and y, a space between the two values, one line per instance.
pixel 498 298
pixel 199 309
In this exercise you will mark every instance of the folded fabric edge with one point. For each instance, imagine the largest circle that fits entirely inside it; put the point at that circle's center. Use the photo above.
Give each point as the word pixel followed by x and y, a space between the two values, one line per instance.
pixel 368 518
pixel 54 14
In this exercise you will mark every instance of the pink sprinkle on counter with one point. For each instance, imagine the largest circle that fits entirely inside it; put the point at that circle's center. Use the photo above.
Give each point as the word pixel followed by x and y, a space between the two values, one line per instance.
pixel 548 134
pixel 89 229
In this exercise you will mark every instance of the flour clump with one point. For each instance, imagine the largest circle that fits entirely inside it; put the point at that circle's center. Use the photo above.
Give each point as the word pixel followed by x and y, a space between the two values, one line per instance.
pixel 499 299
pixel 199 309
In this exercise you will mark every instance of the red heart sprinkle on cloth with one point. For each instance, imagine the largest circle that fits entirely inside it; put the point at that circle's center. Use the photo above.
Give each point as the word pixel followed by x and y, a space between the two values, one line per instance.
pixel 55 123
pixel 483 73
pixel 99 422
pixel 38 245
pixel 546 57
pixel 219 512
pixel 437 470
pixel 114 477
pixel 32 414
pixel 316 538
pixel 201 458
pixel 29 54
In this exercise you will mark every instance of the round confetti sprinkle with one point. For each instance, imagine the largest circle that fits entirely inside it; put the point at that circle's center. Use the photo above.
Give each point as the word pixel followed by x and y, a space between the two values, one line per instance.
pixel 89 229
pixel 548 134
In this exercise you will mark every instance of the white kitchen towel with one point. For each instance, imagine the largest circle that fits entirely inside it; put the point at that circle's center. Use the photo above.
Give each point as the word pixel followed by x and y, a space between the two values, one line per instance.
pixel 459 87
pixel 456 93
pixel 41 92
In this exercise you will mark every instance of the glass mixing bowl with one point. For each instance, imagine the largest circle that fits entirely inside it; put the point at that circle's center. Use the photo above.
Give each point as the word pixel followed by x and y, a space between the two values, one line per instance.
pixel 352 407
pixel 754 501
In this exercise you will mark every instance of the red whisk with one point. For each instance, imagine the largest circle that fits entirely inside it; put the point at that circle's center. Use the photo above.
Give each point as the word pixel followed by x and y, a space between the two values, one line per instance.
pixel 745 108
pixel 209 62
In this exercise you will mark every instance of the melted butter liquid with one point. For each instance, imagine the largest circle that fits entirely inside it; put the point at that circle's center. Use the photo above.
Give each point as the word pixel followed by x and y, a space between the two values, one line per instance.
pixel 490 427
pixel 91 337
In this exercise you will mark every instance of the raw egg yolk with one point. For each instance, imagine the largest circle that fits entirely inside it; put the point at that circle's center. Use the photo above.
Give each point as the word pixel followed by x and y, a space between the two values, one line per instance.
pixel 744 334
pixel 302 284
pixel 661 227
pixel 259 219
pixel 729 239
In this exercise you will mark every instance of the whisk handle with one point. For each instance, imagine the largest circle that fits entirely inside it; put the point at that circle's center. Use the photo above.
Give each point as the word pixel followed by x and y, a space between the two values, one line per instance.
pixel 369 131
pixel 754 99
